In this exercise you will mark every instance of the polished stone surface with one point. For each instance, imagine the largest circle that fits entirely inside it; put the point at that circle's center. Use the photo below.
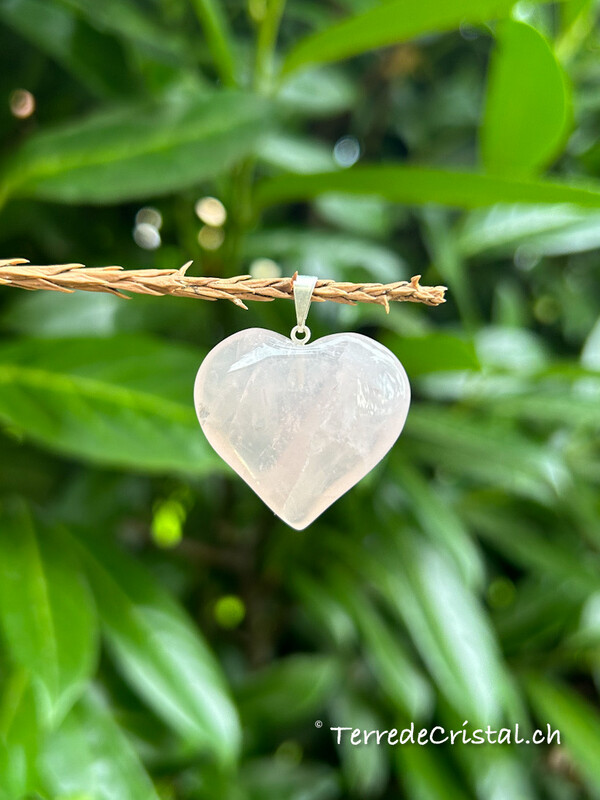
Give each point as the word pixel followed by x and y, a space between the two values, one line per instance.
pixel 301 424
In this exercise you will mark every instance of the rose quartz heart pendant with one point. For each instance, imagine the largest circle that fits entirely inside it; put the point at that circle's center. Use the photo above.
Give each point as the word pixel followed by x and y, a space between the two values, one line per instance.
pixel 301 423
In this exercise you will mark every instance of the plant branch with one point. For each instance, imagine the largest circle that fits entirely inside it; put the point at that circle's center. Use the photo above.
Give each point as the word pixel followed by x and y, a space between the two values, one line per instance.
pixel 116 280
pixel 266 41
pixel 218 38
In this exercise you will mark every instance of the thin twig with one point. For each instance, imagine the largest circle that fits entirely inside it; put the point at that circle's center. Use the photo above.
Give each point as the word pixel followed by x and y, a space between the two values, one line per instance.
pixel 116 280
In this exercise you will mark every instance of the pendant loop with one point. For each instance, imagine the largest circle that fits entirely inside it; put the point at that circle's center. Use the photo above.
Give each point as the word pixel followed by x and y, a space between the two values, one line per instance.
pixel 303 288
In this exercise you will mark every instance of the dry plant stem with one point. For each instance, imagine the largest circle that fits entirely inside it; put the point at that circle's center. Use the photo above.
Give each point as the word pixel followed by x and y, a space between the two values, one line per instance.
pixel 116 280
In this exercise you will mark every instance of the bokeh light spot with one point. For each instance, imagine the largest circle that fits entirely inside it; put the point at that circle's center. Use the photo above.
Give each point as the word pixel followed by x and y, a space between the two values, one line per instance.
pixel 167 523
pixel 210 238
pixel 230 611
pixel 150 216
pixel 146 236
pixel 265 268
pixel 346 151
pixel 211 211
pixel 22 103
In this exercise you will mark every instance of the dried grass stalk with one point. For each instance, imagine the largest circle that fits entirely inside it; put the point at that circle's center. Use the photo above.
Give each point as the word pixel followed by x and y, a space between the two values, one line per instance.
pixel 239 289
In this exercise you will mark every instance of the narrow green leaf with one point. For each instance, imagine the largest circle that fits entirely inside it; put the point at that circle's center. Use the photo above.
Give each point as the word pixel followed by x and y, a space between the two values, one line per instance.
pixel 577 21
pixel 527 546
pixel 162 654
pixel 497 772
pixel 527 109
pixel 390 660
pixel 289 690
pixel 365 767
pixel 447 624
pixel 277 778
pixel 571 12
pixel 414 185
pixel 326 610
pixel 321 92
pixel 558 407
pixel 440 521
pixel 540 612
pixel 563 709
pixel 46 611
pixel 125 401
pixel 389 23
pixel 485 453
pixel 427 775
pixel 356 214
pixel 20 729
pixel 138 151
pixel 540 229
pixel 295 153
pixel 89 757
pixel 580 236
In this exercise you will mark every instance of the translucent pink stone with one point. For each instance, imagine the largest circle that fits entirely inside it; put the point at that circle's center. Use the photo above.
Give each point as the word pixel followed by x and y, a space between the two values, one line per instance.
pixel 301 424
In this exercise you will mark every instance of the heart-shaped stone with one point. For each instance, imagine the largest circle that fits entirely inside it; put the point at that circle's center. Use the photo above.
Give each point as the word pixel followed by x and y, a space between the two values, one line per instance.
pixel 301 424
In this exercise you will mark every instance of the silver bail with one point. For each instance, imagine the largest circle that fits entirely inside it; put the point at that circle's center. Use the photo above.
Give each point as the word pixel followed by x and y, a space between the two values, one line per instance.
pixel 303 289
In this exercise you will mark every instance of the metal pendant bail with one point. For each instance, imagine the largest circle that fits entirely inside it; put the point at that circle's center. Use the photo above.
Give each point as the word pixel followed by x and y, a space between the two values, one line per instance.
pixel 303 289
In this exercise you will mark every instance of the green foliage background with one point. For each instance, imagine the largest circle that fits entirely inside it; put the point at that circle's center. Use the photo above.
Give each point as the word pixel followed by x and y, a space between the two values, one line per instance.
pixel 163 635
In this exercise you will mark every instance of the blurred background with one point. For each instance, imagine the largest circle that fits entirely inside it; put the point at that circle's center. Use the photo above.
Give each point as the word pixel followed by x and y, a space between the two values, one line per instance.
pixel 163 635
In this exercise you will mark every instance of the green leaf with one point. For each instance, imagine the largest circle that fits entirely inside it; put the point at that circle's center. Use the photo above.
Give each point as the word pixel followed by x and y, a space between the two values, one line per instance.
pixel 323 92
pixel 577 20
pixel 559 407
pixel 516 351
pixel 161 653
pixel 365 767
pixel 440 521
pixel 389 23
pixel 393 665
pixel 414 185
pixel 571 12
pixel 289 690
pixel 435 352
pixel 277 778
pixel 125 19
pixel 62 314
pixel 576 719
pixel 335 253
pixel 538 229
pixel 137 151
pixel 502 768
pixel 326 610
pixel 96 59
pixel 46 612
pixel 580 236
pixel 527 109
pixel 359 215
pixel 447 625
pixel 124 401
pixel 20 728
pixel 527 546
pixel 295 153
pixel 485 453
pixel 426 775
pixel 88 757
